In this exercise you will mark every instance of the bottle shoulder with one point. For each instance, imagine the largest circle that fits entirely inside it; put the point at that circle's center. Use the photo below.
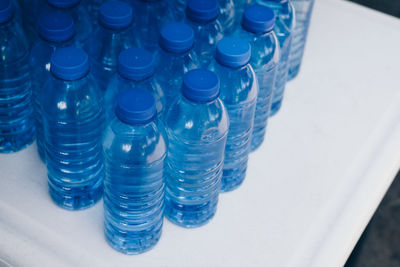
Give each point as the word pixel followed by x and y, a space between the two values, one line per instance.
pixel 238 86
pixel 13 43
pixel 71 100
pixel 264 49
pixel 134 144
pixel 187 121
pixel 107 43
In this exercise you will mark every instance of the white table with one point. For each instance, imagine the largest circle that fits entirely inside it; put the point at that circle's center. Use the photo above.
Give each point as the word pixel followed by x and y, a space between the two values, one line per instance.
pixel 330 155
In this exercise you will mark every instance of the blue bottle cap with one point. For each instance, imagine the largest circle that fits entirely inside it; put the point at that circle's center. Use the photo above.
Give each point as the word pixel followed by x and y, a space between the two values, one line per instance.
pixel 136 64
pixel 136 106
pixel 202 10
pixel 69 63
pixel 200 85
pixel 176 37
pixel 63 3
pixel 258 19
pixel 115 14
pixel 56 27
pixel 6 10
pixel 233 52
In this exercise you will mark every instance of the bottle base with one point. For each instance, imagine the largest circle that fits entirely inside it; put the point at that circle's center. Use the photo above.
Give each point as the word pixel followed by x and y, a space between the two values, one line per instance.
pixel 16 143
pixel 41 151
pixel 293 72
pixel 190 216
pixel 233 178
pixel 256 141
pixel 76 199
pixel 132 243
pixel 275 107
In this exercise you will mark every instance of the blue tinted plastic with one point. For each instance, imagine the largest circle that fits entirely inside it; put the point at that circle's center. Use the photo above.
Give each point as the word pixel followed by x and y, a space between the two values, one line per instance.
pixel 258 19
pixel 73 125
pixel 178 8
pixel 115 14
pixel 170 69
pixel 176 37
pixel 200 86
pixel 239 90
pixel 207 34
pixel 227 15
pixel 133 185
pixel 16 110
pixel 6 10
pixel 93 7
pixel 78 11
pixel 197 135
pixel 122 82
pixel 150 16
pixel 69 64
pixel 40 67
pixel 303 9
pixel 233 52
pixel 104 47
pixel 30 14
pixel 240 6
pixel 265 61
pixel 284 23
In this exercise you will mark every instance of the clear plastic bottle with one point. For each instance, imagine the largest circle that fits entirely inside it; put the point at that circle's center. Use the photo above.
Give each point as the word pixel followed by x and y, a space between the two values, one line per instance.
pixel 93 7
pixel 227 15
pixel 136 68
pixel 16 110
pixel 78 11
pixel 55 30
pixel 303 10
pixel 284 25
pixel 30 13
pixel 257 27
pixel 150 16
pixel 73 121
pixel 134 151
pixel 177 8
pixel 239 89
pixel 240 6
pixel 202 16
pixel 174 58
pixel 114 34
pixel 197 127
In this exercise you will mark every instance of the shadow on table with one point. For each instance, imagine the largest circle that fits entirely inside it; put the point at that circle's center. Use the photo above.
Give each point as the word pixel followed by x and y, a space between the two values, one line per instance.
pixel 379 245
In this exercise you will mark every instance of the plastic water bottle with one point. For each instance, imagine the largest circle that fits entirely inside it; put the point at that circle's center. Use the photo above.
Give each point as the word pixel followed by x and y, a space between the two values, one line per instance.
pixel 177 8
pixel 239 90
pixel 197 127
pixel 150 16
pixel 134 150
pixel 303 10
pixel 114 34
pixel 55 30
pixel 73 125
pixel 257 27
pixel 227 15
pixel 78 11
pixel 175 57
pixel 284 24
pixel 16 111
pixel 136 68
pixel 240 6
pixel 93 7
pixel 30 12
pixel 202 16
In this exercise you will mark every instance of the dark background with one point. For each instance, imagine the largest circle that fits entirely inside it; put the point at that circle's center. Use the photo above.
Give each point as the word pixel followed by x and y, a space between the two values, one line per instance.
pixel 379 246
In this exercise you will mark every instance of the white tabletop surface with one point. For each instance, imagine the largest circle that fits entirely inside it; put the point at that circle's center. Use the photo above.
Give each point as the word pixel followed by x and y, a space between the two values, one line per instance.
pixel 330 155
